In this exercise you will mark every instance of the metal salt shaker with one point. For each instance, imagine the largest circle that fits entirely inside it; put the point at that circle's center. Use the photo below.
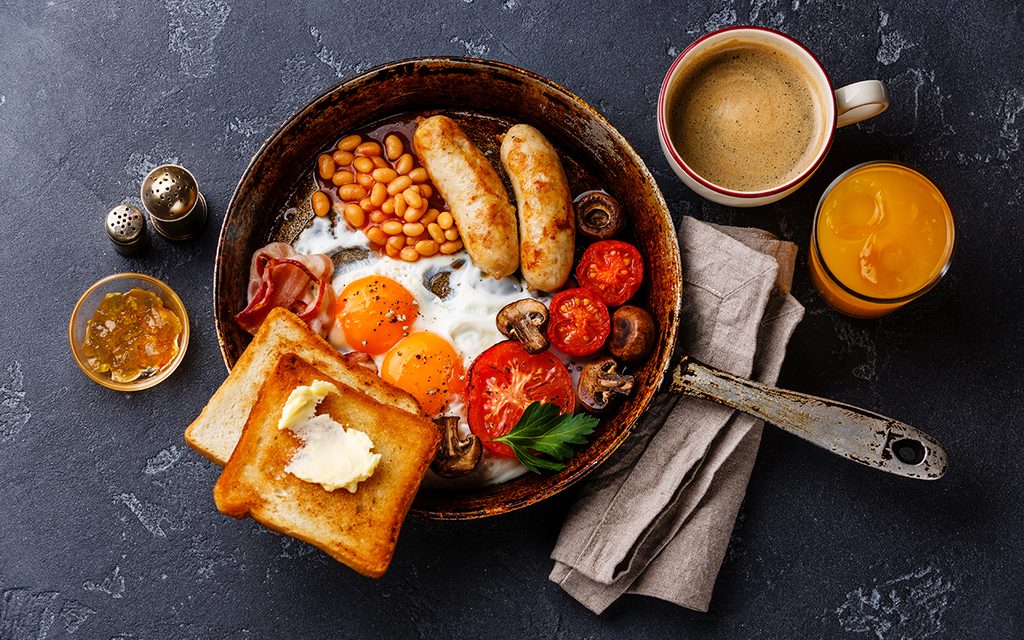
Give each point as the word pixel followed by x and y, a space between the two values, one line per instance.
pixel 126 228
pixel 176 207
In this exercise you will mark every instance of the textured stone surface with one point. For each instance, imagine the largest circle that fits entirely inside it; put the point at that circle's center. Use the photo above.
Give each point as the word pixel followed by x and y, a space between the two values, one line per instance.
pixel 107 526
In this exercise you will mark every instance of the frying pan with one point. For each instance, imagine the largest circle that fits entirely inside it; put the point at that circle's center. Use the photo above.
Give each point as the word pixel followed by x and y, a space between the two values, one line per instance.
pixel 271 203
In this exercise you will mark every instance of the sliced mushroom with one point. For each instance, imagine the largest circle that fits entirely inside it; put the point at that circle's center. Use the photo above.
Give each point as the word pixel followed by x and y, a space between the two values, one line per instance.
pixel 457 456
pixel 633 334
pixel 600 382
pixel 525 320
pixel 598 216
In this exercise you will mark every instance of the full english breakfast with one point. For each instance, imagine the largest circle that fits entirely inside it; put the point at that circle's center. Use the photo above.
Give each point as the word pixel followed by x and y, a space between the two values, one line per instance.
pixel 450 307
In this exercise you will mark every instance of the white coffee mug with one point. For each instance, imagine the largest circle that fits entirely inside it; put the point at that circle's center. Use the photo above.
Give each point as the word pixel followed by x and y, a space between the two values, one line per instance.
pixel 850 104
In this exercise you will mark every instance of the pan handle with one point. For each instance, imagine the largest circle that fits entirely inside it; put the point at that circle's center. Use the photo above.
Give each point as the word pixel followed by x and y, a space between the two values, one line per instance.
pixel 868 438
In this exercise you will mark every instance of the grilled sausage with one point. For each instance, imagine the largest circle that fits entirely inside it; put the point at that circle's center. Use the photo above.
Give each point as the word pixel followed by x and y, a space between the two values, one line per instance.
pixel 474 193
pixel 546 221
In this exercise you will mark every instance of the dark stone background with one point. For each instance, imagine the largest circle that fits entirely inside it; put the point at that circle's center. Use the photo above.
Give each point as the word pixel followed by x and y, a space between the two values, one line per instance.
pixel 107 526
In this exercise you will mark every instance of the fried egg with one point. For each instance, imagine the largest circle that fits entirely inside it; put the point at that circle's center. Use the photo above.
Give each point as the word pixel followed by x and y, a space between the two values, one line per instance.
pixel 428 367
pixel 422 342
pixel 373 313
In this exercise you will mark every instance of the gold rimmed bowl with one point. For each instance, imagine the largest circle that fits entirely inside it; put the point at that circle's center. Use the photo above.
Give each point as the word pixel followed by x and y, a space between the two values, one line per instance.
pixel 86 307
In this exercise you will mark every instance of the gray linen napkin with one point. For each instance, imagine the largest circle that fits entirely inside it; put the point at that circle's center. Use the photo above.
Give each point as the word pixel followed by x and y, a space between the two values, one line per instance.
pixel 656 518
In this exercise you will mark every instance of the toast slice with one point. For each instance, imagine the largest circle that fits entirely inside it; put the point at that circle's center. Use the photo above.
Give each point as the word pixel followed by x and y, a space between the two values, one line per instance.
pixel 217 429
pixel 359 529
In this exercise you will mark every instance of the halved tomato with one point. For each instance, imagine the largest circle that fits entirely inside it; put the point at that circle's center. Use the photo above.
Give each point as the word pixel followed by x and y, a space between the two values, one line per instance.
pixel 504 381
pixel 579 322
pixel 612 269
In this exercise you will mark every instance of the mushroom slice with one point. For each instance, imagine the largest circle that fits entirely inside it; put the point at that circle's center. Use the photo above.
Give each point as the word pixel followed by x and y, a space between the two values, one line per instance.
pixel 457 456
pixel 598 216
pixel 600 382
pixel 525 320
pixel 633 334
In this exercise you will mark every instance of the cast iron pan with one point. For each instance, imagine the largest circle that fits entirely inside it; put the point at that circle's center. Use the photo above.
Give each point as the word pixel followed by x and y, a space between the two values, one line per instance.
pixel 271 203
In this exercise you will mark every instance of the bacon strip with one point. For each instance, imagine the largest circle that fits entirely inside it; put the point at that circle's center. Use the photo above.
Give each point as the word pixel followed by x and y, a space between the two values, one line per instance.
pixel 279 277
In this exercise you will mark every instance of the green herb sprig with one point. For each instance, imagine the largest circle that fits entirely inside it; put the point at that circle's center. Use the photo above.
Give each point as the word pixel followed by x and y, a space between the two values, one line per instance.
pixel 543 430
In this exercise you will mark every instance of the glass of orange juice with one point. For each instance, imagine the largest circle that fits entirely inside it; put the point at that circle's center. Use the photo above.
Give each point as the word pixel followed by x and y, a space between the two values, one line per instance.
pixel 883 235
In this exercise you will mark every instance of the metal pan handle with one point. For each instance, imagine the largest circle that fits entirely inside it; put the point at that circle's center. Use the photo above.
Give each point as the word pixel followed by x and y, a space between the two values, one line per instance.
pixel 868 438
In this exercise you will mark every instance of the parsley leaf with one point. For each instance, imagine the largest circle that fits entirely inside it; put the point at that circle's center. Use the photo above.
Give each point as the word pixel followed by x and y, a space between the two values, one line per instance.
pixel 544 431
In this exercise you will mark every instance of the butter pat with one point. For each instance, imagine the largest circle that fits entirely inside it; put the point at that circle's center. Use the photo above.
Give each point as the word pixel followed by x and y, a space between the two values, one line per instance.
pixel 331 455
pixel 302 402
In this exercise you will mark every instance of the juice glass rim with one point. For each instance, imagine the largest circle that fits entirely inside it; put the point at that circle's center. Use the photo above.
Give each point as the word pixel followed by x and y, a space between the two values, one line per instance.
pixel 863 297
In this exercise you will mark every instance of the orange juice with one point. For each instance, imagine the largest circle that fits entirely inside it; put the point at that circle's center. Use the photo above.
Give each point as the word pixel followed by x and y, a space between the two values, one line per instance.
pixel 883 235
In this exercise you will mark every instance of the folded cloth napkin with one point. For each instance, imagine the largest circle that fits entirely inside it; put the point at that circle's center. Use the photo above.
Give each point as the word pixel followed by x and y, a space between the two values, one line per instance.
pixel 656 518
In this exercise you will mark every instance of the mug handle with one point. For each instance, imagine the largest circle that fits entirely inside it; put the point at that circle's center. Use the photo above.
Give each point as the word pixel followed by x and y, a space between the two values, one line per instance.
pixel 860 101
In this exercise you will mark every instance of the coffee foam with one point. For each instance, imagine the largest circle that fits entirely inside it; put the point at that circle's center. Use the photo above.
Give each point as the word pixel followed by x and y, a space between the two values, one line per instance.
pixel 746 116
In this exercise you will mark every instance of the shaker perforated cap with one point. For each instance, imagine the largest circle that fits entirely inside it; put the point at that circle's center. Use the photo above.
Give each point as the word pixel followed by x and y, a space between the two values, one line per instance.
pixel 126 228
pixel 170 193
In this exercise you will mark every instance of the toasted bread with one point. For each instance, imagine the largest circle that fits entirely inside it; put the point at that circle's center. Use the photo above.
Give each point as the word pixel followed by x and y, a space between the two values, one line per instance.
pixel 359 529
pixel 217 429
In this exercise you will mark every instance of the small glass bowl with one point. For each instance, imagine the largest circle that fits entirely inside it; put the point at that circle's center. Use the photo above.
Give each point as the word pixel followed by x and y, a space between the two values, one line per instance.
pixel 90 301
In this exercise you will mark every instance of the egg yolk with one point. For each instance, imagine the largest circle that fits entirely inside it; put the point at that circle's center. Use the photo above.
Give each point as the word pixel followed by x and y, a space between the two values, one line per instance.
pixel 428 367
pixel 375 313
